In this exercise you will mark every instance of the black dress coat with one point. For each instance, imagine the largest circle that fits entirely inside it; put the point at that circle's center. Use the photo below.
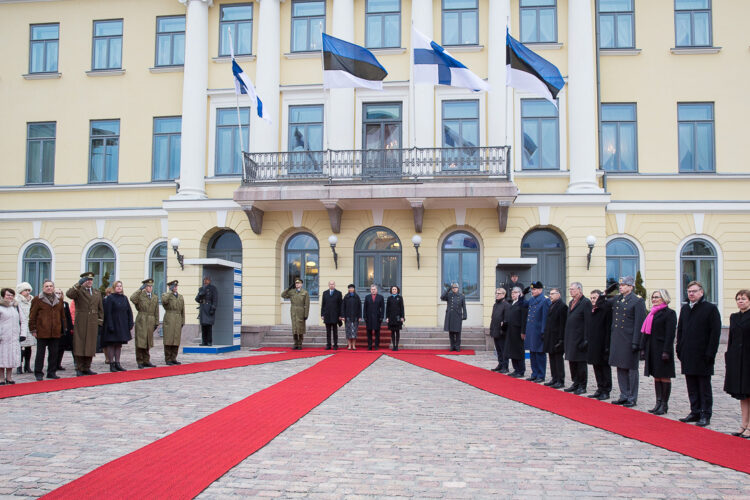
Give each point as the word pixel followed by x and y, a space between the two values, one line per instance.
pixel 208 298
pixel 351 307
pixel 118 320
pixel 499 320
pixel 330 306
pixel 576 331
pixel 599 331
pixel 737 357
pixel 513 348
pixel 455 311
pixel 394 312
pixel 659 341
pixel 66 339
pixel 554 330
pixel 698 334
pixel 628 313
pixel 373 311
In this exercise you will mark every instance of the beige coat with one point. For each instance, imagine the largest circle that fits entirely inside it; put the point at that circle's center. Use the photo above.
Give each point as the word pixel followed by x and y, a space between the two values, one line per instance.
pixel 89 317
pixel 300 301
pixel 147 319
pixel 174 318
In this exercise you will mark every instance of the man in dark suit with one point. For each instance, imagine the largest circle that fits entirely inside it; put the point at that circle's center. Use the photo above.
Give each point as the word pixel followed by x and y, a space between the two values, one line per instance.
pixel 208 298
pixel 330 313
pixel 374 311
pixel 576 338
pixel 628 313
pixel 698 333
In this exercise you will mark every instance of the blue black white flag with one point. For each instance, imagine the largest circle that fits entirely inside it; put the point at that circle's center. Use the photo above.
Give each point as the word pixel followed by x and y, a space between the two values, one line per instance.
pixel 529 72
pixel 346 65
pixel 433 65
pixel 243 85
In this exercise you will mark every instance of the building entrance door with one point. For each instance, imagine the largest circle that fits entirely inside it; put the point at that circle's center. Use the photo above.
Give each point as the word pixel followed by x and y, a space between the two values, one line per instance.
pixel 377 261
pixel 549 250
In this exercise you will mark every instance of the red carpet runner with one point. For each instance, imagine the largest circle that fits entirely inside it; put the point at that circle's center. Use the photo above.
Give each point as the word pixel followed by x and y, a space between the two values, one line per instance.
pixel 9 391
pixel 322 350
pixel 184 463
pixel 703 444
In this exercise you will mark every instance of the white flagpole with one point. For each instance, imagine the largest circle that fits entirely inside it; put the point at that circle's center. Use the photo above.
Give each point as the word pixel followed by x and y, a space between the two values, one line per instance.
pixel 412 105
pixel 237 99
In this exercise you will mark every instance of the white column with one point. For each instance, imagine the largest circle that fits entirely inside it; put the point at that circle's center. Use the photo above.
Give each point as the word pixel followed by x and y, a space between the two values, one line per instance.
pixel 581 99
pixel 496 98
pixel 194 98
pixel 340 124
pixel 264 137
pixel 424 95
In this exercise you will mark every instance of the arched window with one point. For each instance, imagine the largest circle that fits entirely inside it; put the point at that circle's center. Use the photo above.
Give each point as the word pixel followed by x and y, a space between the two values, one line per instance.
pixel 157 267
pixel 101 261
pixel 549 250
pixel 461 263
pixel 301 258
pixel 622 260
pixel 377 260
pixel 698 263
pixel 225 245
pixel 37 266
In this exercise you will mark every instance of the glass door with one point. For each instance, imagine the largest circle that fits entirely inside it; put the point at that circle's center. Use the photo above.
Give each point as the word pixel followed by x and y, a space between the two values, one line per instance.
pixel 382 140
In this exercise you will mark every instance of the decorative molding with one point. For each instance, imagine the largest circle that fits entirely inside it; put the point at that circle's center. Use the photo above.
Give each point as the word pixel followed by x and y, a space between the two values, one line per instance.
pixel 621 218
pixel 100 223
pixel 460 216
pixel 619 52
pixel 36 228
pixel 200 204
pixel 530 200
pixel 544 46
pixel 77 187
pixel 377 216
pixel 502 216
pixel 388 51
pixel 297 217
pixel 694 50
pixel 228 59
pixel 87 214
pixel 167 69
pixel 678 206
pixel 544 215
pixel 164 227
pixel 334 214
pixel 698 221
pixel 221 218
pixel 255 217
pixel 611 176
pixel 105 72
pixel 463 48
pixel 303 55
pixel 42 76
pixel 417 207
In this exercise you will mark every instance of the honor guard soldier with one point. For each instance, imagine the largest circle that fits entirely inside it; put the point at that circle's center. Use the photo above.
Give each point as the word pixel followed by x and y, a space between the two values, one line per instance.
pixel 174 319
pixel 146 321
pixel 300 301
pixel 89 317
pixel 628 313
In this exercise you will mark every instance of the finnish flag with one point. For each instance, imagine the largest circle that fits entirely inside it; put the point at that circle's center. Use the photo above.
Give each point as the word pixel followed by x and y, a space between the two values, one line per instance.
pixel 243 85
pixel 530 72
pixel 433 65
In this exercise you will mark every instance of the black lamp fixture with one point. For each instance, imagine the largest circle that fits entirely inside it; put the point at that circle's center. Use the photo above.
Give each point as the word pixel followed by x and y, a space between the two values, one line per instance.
pixel 416 240
pixel 590 241
pixel 180 258
pixel 332 240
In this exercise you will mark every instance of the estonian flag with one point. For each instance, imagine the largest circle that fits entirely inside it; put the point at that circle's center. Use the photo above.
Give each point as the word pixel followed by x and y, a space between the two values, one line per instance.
pixel 433 65
pixel 346 65
pixel 243 85
pixel 529 72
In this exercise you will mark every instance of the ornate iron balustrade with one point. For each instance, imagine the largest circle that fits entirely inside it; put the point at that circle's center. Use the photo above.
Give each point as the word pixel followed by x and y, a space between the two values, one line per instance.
pixel 377 165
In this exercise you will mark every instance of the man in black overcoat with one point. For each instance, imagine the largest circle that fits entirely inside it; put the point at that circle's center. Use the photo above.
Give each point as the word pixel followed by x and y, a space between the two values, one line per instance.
pixel 374 311
pixel 498 328
pixel 576 338
pixel 455 315
pixel 208 298
pixel 554 338
pixel 628 313
pixel 330 313
pixel 698 333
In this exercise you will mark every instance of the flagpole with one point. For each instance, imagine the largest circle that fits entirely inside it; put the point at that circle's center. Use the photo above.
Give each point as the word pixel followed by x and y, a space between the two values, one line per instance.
pixel 412 105
pixel 237 100
pixel 508 107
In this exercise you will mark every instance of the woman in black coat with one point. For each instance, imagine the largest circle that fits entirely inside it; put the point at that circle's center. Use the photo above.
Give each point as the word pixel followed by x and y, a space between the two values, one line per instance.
pixel 554 338
pixel 351 311
pixel 118 321
pixel 658 344
pixel 394 313
pixel 498 329
pixel 66 337
pixel 599 330
pixel 513 348
pixel 737 357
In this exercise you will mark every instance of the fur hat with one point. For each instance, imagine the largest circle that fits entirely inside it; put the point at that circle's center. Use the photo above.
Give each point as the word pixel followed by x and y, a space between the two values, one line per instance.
pixel 23 286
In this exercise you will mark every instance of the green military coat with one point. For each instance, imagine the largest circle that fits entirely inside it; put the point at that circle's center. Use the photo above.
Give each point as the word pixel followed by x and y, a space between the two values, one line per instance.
pixel 300 301
pixel 147 320
pixel 89 316
pixel 174 317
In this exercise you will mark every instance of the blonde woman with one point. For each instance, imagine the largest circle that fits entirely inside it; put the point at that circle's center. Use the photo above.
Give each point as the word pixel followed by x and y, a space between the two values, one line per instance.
pixel 24 298
pixel 658 340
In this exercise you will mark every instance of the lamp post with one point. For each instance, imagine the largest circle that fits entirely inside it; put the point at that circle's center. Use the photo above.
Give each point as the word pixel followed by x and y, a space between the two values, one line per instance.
pixel 590 241
pixel 416 240
pixel 180 258
pixel 332 240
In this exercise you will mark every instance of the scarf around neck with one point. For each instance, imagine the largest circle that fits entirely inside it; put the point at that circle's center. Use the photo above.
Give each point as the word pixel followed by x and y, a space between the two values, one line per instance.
pixel 648 322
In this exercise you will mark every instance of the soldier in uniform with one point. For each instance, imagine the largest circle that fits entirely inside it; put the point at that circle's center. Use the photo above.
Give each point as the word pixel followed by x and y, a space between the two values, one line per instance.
pixel 207 297
pixel 455 315
pixel 146 321
pixel 300 300
pixel 535 324
pixel 89 317
pixel 628 313
pixel 174 319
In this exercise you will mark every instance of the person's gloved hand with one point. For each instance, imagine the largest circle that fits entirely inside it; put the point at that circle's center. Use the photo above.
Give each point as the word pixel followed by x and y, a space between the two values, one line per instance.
pixel 526 290
pixel 636 347
pixel 611 288
pixel 143 287
pixel 82 281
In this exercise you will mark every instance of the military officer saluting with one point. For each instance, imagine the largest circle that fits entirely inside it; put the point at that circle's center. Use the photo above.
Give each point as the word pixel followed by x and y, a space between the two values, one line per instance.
pixel 174 319
pixel 146 321
pixel 628 313
pixel 300 301
pixel 89 317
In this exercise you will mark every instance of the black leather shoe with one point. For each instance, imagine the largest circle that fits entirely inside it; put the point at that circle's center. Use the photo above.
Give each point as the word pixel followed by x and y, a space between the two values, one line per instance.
pixel 203 344
pixel 176 363
pixel 538 380
pixel 503 371
pixel 531 378
pixel 38 377
pixel 595 395
pixel 88 372
pixel 328 348
pixel 336 348
pixel 571 388
pixel 149 365
pixel 52 376
pixel 119 367
pixel 629 404
pixel 704 421
pixel 550 383
pixel 170 363
pixel 79 373
pixel 603 396
pixel 141 366
pixel 620 401
pixel 579 391
pixel 690 418
pixel 557 385
pixel 113 367
pixel 516 375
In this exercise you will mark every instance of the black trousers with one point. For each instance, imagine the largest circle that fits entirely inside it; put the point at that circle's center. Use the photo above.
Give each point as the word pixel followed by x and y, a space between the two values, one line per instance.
pixel 207 334
pixel 519 366
pixel 370 333
pixel 60 355
pixel 700 394
pixel 603 374
pixel 455 338
pixel 579 373
pixel 557 366
pixel 395 336
pixel 332 330
pixel 49 345
pixel 501 359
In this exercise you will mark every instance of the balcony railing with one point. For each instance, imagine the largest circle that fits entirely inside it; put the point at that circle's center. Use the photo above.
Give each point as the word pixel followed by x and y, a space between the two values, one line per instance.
pixel 377 165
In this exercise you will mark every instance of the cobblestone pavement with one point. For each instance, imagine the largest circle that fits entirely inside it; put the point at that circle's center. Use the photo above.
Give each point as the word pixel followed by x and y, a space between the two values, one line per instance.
pixel 395 431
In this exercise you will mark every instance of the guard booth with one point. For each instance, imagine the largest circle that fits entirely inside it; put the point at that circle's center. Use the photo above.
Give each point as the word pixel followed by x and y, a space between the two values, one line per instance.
pixel 521 266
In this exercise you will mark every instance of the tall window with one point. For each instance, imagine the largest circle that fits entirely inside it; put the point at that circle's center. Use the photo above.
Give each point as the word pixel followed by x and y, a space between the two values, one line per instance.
pixel 460 132
pixel 157 268
pixel 460 22
pixel 622 260
pixel 308 24
pixel 692 23
pixel 301 258
pixel 696 136
pixel 616 21
pixel 461 263
pixel 237 18
pixel 305 136
pixel 107 45
pixel 101 261
pixel 37 266
pixel 383 23
pixel 104 147
pixel 618 142
pixel 698 263
pixel 40 153
pixel 540 137
pixel 382 139
pixel 166 161
pixel 170 41
pixel 228 155
pixel 43 48
pixel 538 21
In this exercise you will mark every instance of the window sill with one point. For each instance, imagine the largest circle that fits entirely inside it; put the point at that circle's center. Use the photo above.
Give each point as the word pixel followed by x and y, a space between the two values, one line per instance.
pixel 167 69
pixel 303 55
pixel 105 72
pixel 388 50
pixel 42 76
pixel 227 59
pixel 544 45
pixel 694 50
pixel 464 48
pixel 619 52
pixel 542 172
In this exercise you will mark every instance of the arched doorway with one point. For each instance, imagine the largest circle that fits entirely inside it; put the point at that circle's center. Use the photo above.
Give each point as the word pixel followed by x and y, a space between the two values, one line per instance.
pixel 225 245
pixel 549 250
pixel 227 278
pixel 377 260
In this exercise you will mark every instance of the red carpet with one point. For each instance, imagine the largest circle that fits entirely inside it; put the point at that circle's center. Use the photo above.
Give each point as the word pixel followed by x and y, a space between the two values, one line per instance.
pixel 432 352
pixel 687 439
pixel 186 462
pixel 9 391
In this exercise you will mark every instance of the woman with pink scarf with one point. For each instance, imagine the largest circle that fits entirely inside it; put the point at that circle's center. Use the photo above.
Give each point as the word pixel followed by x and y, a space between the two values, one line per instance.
pixel 658 338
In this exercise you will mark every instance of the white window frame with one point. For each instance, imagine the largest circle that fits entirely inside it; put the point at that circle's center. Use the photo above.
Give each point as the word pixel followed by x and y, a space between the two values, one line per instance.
pixel 456 94
pixel 96 241
pixel 677 296
pixel 390 95
pixel 562 127
pixel 22 251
